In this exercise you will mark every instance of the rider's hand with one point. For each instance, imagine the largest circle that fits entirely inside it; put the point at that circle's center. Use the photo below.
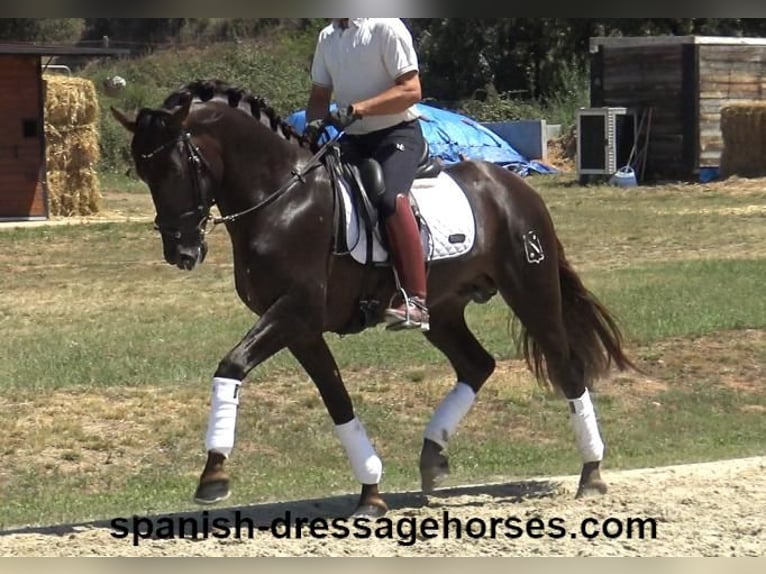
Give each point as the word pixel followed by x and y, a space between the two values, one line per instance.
pixel 341 119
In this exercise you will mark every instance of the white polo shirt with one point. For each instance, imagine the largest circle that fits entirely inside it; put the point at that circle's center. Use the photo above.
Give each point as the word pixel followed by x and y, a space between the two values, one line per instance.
pixel 361 62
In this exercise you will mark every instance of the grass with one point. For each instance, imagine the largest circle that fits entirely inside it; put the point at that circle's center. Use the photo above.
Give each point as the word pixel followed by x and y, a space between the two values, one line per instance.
pixel 107 355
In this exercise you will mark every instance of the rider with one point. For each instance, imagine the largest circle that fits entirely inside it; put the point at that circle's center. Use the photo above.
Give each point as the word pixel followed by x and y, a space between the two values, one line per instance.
pixel 371 66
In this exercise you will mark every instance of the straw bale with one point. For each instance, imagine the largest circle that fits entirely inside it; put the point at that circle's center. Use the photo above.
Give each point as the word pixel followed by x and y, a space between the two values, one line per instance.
pixel 70 101
pixel 743 128
pixel 73 148
pixel 73 192
pixel 72 145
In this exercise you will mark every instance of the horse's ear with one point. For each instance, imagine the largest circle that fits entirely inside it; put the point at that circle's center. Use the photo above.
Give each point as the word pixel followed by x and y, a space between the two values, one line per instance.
pixel 127 121
pixel 179 113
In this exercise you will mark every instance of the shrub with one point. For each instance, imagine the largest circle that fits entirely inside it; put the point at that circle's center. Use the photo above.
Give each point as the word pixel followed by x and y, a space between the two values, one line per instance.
pixel 274 67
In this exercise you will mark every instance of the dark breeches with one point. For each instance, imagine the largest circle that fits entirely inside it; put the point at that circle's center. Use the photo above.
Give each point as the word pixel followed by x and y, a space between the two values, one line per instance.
pixel 397 149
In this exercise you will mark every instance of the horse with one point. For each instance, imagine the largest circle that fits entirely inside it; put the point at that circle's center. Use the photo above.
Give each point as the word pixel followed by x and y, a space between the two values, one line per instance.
pixel 211 143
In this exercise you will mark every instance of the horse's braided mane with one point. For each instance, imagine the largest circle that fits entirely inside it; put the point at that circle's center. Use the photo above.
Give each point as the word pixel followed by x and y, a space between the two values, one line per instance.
pixel 256 106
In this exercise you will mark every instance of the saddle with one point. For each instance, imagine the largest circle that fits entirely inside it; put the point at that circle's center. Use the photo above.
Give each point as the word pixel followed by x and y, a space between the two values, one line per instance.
pixel 364 181
pixel 440 205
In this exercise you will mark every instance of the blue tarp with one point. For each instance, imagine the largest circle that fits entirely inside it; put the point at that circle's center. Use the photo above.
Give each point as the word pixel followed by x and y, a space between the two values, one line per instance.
pixel 452 137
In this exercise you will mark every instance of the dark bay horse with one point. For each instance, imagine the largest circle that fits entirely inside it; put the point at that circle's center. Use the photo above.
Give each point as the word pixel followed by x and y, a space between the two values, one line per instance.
pixel 212 144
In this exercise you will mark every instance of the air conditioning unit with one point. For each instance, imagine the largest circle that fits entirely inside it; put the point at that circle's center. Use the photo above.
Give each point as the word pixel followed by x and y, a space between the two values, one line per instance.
pixel 605 139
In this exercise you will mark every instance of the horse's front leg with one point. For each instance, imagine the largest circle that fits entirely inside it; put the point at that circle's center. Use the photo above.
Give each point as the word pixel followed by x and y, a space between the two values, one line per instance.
pixel 269 335
pixel 315 357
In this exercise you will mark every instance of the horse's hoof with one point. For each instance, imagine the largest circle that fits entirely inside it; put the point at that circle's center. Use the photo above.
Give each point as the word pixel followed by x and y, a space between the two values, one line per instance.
pixel 590 480
pixel 370 503
pixel 434 466
pixel 432 477
pixel 369 511
pixel 592 488
pixel 212 492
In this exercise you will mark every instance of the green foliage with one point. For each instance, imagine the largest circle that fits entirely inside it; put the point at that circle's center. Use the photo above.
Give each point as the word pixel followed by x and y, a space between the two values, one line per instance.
pixel 558 108
pixel 455 57
pixel 573 93
pixel 502 107
pixel 275 67
pixel 490 69
pixel 145 32
pixel 67 30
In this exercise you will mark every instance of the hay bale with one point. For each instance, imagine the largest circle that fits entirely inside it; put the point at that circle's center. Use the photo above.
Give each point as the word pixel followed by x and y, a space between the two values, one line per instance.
pixel 70 101
pixel 72 146
pixel 73 192
pixel 743 128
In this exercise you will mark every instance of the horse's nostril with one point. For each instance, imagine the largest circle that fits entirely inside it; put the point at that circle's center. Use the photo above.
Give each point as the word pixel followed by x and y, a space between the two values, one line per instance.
pixel 189 257
pixel 186 262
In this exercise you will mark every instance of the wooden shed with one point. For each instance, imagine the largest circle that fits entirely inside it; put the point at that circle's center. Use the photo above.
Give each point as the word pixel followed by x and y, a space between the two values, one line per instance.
pixel 23 193
pixel 684 81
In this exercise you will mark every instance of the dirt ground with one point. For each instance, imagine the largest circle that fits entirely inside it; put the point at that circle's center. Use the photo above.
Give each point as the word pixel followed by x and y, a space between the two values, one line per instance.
pixel 710 509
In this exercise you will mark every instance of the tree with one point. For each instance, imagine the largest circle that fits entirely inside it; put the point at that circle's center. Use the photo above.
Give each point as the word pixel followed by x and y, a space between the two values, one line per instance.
pixel 50 30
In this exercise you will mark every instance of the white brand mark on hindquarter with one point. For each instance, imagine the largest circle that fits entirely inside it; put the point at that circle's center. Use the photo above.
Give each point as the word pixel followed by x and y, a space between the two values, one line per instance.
pixel 532 247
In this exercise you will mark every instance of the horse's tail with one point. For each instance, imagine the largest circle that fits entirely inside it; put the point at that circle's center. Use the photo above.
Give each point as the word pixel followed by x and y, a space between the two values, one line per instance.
pixel 595 340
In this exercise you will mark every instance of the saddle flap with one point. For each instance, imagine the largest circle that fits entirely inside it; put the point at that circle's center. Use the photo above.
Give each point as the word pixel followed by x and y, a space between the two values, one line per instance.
pixel 356 178
pixel 365 182
pixel 445 217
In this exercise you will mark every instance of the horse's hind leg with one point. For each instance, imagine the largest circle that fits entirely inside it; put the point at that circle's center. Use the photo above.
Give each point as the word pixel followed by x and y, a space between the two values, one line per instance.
pixel 533 291
pixel 473 366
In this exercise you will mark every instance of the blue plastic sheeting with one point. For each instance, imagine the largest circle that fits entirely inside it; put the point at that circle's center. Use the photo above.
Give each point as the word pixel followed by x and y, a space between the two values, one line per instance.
pixel 453 137
pixel 708 174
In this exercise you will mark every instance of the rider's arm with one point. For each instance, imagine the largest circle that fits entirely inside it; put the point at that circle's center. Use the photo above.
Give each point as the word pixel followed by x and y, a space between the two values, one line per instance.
pixel 403 94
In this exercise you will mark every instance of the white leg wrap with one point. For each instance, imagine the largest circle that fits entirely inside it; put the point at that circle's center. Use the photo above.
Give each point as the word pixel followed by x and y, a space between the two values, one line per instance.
pixel 449 413
pixel 223 415
pixel 585 428
pixel 367 466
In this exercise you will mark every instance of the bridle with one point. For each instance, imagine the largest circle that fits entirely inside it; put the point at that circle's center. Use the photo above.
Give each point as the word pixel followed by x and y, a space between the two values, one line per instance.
pixel 201 213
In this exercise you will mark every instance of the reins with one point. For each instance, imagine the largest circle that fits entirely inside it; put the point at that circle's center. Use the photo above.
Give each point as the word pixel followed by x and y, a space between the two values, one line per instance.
pixel 197 160
pixel 297 176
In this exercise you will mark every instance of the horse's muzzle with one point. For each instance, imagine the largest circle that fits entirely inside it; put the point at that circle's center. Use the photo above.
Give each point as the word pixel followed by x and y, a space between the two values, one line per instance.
pixel 185 257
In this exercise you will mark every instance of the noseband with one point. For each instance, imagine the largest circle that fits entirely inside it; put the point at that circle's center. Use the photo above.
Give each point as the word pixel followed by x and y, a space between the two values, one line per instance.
pixel 201 212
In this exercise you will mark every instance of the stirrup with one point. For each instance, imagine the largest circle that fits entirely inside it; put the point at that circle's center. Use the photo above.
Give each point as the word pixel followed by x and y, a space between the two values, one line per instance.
pixel 396 323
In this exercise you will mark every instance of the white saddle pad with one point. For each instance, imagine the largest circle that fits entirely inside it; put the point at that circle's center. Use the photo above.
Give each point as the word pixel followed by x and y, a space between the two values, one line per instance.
pixel 450 228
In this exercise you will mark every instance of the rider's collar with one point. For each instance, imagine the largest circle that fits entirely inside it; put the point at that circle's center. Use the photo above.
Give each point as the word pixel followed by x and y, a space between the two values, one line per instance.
pixel 357 22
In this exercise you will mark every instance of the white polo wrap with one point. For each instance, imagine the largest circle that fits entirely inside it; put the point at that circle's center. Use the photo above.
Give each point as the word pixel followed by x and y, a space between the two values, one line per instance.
pixel 449 413
pixel 223 415
pixel 585 427
pixel 367 466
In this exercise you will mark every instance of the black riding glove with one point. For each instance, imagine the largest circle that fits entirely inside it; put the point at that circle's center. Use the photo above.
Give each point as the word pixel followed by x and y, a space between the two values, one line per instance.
pixel 341 119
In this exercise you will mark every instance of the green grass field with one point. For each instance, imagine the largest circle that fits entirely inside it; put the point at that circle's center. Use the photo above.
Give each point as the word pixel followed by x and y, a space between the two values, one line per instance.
pixel 107 355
